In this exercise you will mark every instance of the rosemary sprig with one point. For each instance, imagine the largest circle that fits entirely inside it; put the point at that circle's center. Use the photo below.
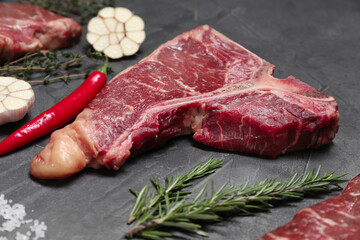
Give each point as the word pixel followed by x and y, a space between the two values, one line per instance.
pixel 173 185
pixel 79 9
pixel 48 62
pixel 179 213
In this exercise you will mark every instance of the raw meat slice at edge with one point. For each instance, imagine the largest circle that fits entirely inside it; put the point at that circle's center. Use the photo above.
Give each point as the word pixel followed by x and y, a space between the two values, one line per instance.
pixel 27 28
pixel 335 218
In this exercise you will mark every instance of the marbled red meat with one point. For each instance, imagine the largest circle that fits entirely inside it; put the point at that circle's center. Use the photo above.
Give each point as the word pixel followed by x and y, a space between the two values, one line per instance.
pixel 200 82
pixel 337 218
pixel 26 28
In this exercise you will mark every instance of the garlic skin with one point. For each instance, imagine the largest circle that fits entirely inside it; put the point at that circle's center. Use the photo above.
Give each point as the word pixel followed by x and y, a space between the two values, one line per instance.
pixel 16 99
pixel 116 32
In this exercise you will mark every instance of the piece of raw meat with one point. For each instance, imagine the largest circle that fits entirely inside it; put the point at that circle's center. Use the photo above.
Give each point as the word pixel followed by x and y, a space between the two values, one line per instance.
pixel 200 82
pixel 336 218
pixel 27 28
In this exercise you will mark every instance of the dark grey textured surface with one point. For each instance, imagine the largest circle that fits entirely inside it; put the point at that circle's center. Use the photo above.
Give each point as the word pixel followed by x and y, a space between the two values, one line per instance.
pixel 316 41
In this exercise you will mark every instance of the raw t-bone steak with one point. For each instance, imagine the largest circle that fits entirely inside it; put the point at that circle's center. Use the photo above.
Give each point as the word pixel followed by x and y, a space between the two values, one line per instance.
pixel 333 219
pixel 200 82
pixel 26 28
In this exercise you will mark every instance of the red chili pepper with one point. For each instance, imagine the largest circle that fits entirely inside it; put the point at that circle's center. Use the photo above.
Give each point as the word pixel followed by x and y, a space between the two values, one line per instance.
pixel 58 115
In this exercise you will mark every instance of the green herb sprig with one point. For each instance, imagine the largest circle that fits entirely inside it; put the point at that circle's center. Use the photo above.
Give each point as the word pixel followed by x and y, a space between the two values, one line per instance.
pixel 79 9
pixel 50 63
pixel 171 189
pixel 170 209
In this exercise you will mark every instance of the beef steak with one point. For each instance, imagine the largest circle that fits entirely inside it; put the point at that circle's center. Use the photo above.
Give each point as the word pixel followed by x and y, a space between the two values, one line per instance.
pixel 335 218
pixel 200 82
pixel 26 28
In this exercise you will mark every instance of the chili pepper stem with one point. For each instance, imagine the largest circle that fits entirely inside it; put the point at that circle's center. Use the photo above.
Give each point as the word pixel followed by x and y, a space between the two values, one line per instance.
pixel 103 69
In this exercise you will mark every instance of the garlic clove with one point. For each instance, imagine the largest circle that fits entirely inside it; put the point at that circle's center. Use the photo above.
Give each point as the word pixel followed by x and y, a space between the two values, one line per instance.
pixel 122 14
pixel 101 43
pixel 107 12
pixel 25 94
pixel 135 23
pixel 6 81
pixel 98 26
pixel 18 86
pixel 138 36
pixel 129 47
pixel 114 52
pixel 92 37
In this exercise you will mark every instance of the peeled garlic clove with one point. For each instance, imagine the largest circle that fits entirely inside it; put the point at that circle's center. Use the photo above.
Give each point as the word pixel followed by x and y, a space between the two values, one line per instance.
pixel 92 37
pixel 16 99
pixel 114 51
pixel 135 23
pixel 129 47
pixel 122 14
pixel 101 43
pixel 98 26
pixel 116 32
pixel 107 12
pixel 138 36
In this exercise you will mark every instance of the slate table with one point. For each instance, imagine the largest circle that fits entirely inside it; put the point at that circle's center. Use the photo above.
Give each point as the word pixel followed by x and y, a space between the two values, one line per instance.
pixel 315 41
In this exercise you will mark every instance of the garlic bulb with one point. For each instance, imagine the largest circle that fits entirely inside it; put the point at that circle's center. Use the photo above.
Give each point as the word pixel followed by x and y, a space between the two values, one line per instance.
pixel 116 32
pixel 16 99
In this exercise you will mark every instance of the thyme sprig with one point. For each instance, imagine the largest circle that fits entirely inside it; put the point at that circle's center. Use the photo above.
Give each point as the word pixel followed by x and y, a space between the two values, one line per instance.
pixel 48 62
pixel 79 9
pixel 176 212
